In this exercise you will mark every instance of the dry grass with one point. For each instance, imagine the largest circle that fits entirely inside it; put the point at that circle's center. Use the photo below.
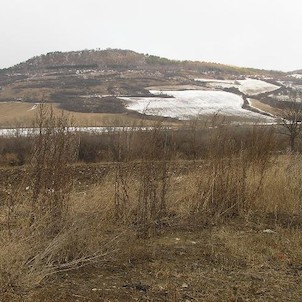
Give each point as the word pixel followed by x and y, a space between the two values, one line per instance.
pixel 223 229
pixel 41 234
pixel 20 115
pixel 230 263
pixel 267 108
pixel 16 114
pixel 191 255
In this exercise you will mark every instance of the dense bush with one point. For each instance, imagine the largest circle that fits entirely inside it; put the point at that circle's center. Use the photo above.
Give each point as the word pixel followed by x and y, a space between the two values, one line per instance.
pixel 190 142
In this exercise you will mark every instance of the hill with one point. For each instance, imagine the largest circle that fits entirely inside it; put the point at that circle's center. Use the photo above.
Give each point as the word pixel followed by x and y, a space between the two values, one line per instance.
pixel 97 80
pixel 118 59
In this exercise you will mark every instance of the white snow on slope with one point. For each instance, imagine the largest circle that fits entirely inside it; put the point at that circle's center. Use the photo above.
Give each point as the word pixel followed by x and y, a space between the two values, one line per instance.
pixel 190 103
pixel 247 86
pixel 296 75
pixel 254 87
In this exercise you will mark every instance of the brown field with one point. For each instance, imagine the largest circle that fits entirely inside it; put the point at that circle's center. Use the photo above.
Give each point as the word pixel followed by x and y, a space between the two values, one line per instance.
pixel 264 107
pixel 19 114
pixel 16 114
pixel 175 87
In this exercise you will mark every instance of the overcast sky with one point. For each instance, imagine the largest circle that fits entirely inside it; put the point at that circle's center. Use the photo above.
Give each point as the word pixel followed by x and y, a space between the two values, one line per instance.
pixel 253 33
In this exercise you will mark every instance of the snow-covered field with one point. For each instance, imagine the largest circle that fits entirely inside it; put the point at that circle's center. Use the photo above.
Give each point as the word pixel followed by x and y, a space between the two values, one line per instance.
pixel 191 103
pixel 254 87
pixel 247 86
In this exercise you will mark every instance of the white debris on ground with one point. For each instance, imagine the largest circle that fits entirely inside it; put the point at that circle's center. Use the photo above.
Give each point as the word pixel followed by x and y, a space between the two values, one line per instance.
pixel 33 107
pixel 269 231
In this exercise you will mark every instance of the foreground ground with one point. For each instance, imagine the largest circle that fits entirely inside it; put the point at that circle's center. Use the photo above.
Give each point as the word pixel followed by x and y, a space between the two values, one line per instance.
pixel 231 231
pixel 258 258
pixel 236 262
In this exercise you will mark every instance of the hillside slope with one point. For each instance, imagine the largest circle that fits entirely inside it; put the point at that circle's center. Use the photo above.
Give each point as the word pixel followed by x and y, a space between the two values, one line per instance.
pixel 118 59
pixel 97 80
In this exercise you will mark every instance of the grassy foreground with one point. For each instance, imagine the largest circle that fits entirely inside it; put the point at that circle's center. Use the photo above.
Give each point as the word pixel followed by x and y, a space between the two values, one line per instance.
pixel 226 227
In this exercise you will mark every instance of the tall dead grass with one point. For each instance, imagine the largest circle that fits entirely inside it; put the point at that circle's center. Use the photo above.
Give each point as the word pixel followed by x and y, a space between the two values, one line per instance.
pixel 223 186
pixel 149 176
pixel 42 233
pixel 52 226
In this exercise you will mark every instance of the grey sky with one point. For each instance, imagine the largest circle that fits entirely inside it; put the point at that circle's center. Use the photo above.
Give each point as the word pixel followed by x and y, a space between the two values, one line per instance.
pixel 252 33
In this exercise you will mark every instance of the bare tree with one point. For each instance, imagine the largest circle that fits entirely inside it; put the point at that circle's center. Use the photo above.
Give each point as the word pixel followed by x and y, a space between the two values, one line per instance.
pixel 291 118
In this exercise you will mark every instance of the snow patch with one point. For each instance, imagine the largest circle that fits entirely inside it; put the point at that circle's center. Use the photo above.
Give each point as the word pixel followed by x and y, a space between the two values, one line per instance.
pixel 27 132
pixel 247 86
pixel 296 75
pixel 190 103
pixel 254 87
